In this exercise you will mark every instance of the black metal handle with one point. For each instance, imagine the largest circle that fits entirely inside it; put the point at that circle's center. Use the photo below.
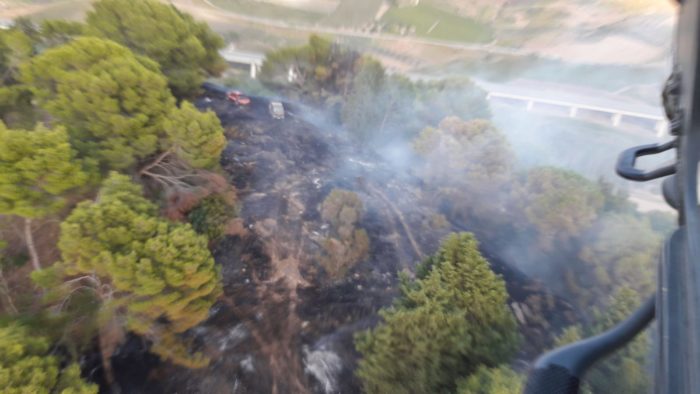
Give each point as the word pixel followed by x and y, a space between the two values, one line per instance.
pixel 560 370
pixel 625 163
pixel 552 380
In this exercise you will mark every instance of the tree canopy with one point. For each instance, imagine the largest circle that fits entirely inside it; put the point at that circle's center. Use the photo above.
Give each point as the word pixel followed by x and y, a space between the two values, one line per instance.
pixel 112 102
pixel 471 151
pixel 36 168
pixel 621 250
pixel 195 137
pixel 186 50
pixel 163 276
pixel 322 71
pixel 559 203
pixel 346 243
pixel 626 371
pixel 16 107
pixel 27 366
pixel 461 303
pixel 500 380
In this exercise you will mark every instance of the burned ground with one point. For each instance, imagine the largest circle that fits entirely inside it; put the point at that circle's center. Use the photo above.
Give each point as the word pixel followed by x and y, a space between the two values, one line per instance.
pixel 282 325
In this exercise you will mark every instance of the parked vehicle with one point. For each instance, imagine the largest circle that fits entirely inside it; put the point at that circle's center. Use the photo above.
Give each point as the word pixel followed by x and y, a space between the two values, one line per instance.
pixel 276 110
pixel 237 97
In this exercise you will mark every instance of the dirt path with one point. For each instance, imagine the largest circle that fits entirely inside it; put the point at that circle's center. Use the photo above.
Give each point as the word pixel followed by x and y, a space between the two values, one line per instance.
pixel 402 220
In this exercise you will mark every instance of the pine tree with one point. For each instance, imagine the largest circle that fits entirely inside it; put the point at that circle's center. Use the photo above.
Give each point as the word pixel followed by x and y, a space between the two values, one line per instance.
pixel 500 380
pixel 445 324
pixel 346 244
pixel 36 169
pixel 195 137
pixel 186 50
pixel 559 204
pixel 625 371
pixel 158 276
pixel 27 366
pixel 112 102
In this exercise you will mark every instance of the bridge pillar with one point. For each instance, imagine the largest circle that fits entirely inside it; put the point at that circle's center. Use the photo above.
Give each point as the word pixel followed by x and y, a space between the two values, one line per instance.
pixel 530 104
pixel 616 119
pixel 573 111
pixel 253 70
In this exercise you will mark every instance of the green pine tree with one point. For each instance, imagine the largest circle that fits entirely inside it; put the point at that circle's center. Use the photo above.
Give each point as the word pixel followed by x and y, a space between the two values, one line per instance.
pixel 28 366
pixel 187 51
pixel 446 323
pixel 112 102
pixel 36 169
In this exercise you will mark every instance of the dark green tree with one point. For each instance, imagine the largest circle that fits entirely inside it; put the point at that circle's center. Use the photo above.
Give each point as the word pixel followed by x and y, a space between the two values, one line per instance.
pixel 560 204
pixel 16 109
pixel 461 303
pixel 36 169
pixel 112 102
pixel 27 365
pixel 364 108
pixel 346 243
pixel 195 137
pixel 458 97
pixel 500 380
pixel 320 72
pixel 627 370
pixel 56 32
pixel 467 164
pixel 156 276
pixel 211 215
pixel 620 251
pixel 187 51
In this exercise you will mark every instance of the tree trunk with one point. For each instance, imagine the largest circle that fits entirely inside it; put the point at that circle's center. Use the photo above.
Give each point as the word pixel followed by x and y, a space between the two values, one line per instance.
pixel 7 302
pixel 110 336
pixel 29 239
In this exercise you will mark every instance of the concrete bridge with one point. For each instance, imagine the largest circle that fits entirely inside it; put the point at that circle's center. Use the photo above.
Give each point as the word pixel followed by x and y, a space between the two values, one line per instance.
pixel 250 59
pixel 578 102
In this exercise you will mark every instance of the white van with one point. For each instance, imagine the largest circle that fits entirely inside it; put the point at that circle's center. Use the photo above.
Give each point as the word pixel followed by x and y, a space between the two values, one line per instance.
pixel 276 110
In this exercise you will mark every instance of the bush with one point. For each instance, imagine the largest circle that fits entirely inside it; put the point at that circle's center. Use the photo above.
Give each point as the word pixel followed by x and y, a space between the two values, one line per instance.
pixel 210 216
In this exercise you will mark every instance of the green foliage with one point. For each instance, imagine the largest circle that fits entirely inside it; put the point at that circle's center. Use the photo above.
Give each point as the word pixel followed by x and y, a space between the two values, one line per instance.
pixel 56 32
pixel 16 107
pixel 622 252
pixel 346 244
pixel 112 102
pixel 18 49
pixel 195 137
pixel 362 113
pixel 36 168
pixel 474 151
pixel 210 216
pixel 627 370
pixel 466 158
pixel 558 203
pixel 186 50
pixel 458 97
pixel 500 380
pixel 450 25
pixel 324 71
pixel 162 274
pixel 27 366
pixel 461 303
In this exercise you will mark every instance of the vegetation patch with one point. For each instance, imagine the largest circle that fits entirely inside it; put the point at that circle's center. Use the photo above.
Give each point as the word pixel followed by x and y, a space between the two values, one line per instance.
pixel 432 22
pixel 266 10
